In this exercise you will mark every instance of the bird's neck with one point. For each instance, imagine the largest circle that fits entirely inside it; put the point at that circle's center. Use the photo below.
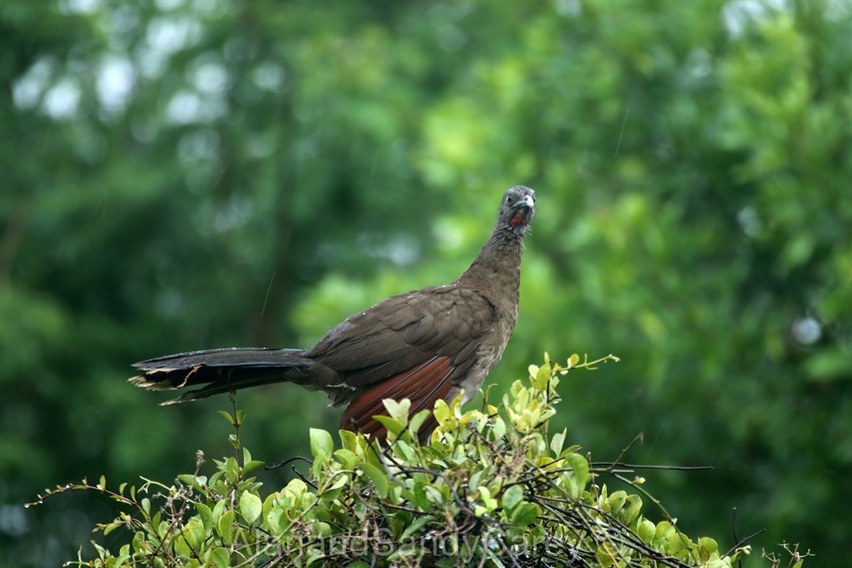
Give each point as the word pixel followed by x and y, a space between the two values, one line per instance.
pixel 496 272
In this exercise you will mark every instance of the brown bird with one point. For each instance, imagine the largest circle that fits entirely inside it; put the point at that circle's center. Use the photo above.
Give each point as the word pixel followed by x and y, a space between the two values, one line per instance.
pixel 425 345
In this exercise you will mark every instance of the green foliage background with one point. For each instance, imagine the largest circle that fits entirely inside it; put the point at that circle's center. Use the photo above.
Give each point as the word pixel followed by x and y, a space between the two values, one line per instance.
pixel 177 175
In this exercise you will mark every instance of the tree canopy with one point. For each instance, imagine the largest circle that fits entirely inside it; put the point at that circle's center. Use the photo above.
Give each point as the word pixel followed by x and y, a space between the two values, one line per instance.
pixel 178 175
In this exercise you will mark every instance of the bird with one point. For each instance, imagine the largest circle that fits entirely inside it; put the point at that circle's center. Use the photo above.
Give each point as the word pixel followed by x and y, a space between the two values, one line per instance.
pixel 425 345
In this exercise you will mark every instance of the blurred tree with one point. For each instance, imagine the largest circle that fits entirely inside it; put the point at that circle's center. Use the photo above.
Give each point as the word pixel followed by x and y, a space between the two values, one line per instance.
pixel 180 175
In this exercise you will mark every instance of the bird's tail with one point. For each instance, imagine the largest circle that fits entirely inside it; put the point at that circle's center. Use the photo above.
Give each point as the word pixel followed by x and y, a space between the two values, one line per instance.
pixel 223 370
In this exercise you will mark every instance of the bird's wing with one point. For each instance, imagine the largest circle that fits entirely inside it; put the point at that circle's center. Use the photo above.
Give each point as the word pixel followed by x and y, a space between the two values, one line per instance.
pixel 417 346
pixel 405 331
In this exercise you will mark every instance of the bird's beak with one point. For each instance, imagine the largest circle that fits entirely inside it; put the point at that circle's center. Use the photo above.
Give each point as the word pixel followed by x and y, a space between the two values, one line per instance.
pixel 522 212
pixel 526 203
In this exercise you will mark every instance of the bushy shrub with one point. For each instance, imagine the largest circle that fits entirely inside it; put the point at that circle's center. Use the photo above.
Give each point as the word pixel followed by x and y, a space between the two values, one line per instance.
pixel 491 488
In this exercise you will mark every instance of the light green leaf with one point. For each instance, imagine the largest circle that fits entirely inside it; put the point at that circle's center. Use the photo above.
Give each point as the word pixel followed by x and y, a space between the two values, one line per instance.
pixel 580 467
pixel 499 428
pixel 346 458
pixel 646 531
pixel 398 410
pixel 664 531
pixel 616 501
pixel 226 526
pixel 542 377
pixel 557 442
pixel 707 548
pixel 321 443
pixel 441 411
pixel 416 421
pixel 250 506
pixel 348 440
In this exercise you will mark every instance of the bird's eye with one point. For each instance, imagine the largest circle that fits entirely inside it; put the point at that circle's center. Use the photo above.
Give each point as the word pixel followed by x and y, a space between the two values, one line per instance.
pixel 509 199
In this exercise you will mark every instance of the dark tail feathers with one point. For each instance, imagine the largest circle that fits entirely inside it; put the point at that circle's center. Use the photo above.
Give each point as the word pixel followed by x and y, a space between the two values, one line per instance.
pixel 223 370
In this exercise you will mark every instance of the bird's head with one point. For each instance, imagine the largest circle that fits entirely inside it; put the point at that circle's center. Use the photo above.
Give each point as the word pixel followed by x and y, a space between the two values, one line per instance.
pixel 517 209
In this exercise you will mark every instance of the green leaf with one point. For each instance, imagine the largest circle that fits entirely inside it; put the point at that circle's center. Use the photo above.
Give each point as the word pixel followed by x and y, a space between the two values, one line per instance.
pixel 334 490
pixel 227 416
pixel 616 501
pixel 406 450
pixel 441 411
pixel 226 526
pixel 580 468
pixel 557 442
pixel 321 443
pixel 416 421
pixel 187 479
pixel 252 465
pixel 348 440
pixel 378 477
pixel 218 510
pixel 630 511
pixel 392 425
pixel 707 548
pixel 323 529
pixel 414 527
pixel 219 557
pixel 486 498
pixel 250 506
pixel 665 530
pixel 231 469
pixel 473 482
pixel 646 531
pixel 206 515
pixel 512 497
pixel 194 532
pixel 606 555
pixel 499 428
pixel 542 377
pixel 111 527
pixel 418 496
pixel 398 410
pixel 347 458
pixel 525 513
